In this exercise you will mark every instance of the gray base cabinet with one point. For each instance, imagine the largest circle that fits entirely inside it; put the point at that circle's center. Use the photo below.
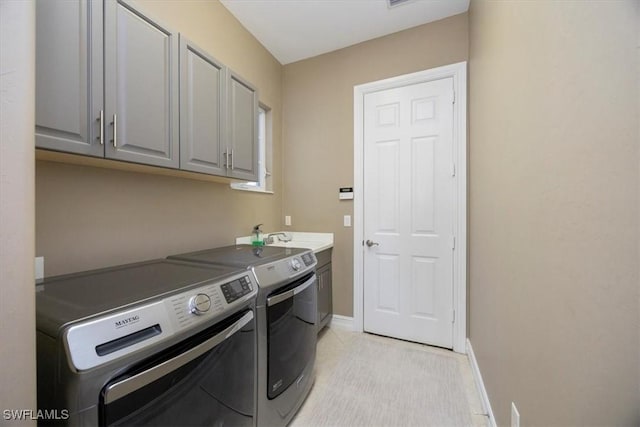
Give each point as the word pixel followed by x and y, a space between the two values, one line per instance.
pixel 325 294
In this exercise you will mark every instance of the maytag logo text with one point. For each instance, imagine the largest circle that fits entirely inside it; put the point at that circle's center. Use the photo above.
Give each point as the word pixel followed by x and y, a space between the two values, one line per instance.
pixel 127 321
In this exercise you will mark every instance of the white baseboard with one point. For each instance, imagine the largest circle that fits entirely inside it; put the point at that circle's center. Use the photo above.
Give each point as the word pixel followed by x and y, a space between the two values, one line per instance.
pixel 342 322
pixel 480 384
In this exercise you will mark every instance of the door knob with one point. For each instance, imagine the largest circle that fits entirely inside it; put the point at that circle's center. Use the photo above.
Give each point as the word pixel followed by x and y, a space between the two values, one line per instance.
pixel 371 243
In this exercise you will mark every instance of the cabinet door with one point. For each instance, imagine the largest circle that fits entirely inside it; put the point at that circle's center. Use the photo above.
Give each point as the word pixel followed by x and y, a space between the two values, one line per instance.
pixel 69 77
pixel 202 81
pixel 243 129
pixel 325 297
pixel 141 87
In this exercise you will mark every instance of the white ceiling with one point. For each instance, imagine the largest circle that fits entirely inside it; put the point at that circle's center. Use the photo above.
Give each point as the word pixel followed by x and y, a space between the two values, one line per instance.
pixel 297 29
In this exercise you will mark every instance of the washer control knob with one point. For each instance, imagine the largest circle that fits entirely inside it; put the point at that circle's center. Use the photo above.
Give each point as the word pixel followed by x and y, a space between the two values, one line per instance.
pixel 295 264
pixel 200 304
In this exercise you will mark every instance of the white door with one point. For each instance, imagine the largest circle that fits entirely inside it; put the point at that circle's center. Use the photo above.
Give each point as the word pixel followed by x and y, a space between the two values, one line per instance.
pixel 409 212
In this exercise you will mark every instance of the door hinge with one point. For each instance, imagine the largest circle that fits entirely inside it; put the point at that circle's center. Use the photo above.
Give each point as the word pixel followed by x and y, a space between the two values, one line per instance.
pixel 453 316
pixel 453 242
pixel 453 101
pixel 453 169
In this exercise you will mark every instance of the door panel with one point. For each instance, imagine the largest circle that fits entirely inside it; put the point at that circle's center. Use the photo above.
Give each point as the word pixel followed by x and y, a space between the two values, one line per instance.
pixel 422 185
pixel 388 280
pixel 141 86
pixel 422 286
pixel 201 119
pixel 69 76
pixel 408 269
pixel 388 186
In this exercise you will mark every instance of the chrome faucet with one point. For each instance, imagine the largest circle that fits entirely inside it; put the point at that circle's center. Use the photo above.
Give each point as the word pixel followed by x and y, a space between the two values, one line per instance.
pixel 284 238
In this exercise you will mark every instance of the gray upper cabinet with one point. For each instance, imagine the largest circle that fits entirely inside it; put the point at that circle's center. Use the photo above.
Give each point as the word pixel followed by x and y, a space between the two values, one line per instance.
pixel 218 117
pixel 242 107
pixel 113 82
pixel 69 78
pixel 202 119
pixel 141 87
pixel 135 66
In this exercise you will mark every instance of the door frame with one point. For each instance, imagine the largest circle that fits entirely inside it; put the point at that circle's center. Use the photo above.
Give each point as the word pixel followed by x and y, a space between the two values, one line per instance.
pixel 458 72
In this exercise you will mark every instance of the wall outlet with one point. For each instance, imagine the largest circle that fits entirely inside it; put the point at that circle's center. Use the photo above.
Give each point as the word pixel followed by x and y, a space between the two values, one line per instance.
pixel 287 220
pixel 347 220
pixel 515 416
pixel 39 267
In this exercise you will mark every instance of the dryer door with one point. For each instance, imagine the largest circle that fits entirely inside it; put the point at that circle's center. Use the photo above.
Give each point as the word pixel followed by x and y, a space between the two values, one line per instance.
pixel 292 335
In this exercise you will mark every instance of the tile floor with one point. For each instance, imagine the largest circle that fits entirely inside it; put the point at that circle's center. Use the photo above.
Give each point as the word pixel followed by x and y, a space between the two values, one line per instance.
pixel 368 380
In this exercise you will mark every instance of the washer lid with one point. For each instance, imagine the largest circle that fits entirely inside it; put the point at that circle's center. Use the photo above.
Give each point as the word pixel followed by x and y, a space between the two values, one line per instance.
pixel 68 298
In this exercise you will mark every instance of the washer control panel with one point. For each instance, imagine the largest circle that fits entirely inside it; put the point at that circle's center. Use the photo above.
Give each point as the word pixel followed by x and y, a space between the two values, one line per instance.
pixel 190 308
pixel 96 341
pixel 236 289
pixel 200 304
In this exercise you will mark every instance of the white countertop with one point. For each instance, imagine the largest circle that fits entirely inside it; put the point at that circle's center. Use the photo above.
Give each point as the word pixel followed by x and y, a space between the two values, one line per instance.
pixel 317 242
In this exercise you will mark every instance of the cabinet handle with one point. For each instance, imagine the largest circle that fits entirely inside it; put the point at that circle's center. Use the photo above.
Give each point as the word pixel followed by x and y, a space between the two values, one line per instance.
pixel 115 132
pixel 232 159
pixel 226 160
pixel 101 120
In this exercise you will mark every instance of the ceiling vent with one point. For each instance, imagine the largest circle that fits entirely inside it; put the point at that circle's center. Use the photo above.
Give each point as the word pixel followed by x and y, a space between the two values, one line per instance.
pixel 394 3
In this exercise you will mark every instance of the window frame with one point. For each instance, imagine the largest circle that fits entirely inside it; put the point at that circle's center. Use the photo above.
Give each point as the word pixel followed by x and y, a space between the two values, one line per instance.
pixel 264 145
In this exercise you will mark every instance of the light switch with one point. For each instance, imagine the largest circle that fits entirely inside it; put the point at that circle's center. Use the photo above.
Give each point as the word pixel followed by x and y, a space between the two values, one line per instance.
pixel 287 220
pixel 347 220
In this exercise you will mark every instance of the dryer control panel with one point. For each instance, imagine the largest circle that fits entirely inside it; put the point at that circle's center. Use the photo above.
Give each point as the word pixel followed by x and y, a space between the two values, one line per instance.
pixel 277 272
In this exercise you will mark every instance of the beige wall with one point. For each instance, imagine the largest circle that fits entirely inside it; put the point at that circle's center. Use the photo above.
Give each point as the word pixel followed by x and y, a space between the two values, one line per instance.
pixel 554 209
pixel 17 290
pixel 88 218
pixel 318 128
